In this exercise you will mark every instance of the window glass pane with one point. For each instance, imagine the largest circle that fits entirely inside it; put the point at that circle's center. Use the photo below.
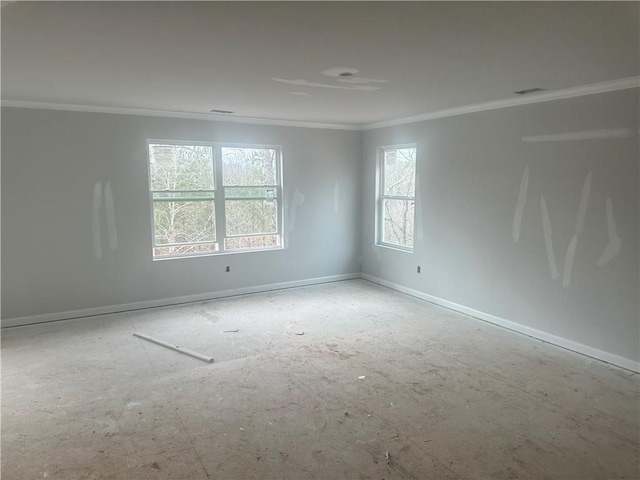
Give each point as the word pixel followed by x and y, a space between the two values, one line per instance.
pixel 185 249
pixel 261 241
pixel 249 166
pixel 400 171
pixel 181 167
pixel 398 222
pixel 250 192
pixel 245 217
pixel 184 222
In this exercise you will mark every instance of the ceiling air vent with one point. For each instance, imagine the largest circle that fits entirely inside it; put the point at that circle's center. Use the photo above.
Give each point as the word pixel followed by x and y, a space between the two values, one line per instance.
pixel 530 90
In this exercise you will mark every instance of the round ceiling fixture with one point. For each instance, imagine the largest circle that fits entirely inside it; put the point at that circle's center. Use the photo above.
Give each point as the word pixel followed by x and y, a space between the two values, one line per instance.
pixel 340 72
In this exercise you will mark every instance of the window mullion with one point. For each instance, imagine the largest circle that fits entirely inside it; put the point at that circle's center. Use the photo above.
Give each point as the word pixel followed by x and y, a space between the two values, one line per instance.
pixel 219 198
pixel 379 220
pixel 381 187
pixel 279 212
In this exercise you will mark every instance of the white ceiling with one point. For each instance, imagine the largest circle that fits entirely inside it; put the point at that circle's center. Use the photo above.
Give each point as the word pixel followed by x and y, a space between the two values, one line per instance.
pixel 267 59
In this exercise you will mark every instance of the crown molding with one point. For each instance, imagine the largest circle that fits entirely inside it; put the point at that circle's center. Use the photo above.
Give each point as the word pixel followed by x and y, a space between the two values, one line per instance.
pixel 173 114
pixel 601 87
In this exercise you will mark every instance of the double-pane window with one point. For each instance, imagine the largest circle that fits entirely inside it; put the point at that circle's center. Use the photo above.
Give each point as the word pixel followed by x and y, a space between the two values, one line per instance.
pixel 213 198
pixel 396 197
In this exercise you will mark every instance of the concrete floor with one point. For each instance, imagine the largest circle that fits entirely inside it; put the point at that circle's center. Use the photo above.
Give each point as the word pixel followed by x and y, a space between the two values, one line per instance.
pixel 445 395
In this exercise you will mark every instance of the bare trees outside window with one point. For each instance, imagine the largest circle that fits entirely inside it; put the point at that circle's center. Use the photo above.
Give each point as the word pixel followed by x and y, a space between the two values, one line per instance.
pixel 396 199
pixel 210 198
pixel 250 186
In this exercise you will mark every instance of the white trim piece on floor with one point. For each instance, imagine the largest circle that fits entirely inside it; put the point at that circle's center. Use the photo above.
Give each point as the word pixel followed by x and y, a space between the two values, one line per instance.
pixel 164 302
pixel 592 352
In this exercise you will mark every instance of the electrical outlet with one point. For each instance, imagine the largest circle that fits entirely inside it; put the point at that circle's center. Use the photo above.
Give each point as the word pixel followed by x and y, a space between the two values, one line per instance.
pixel 227 269
pixel 418 270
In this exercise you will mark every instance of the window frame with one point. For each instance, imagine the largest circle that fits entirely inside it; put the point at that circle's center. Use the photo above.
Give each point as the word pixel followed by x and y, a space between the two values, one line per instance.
pixel 219 201
pixel 381 197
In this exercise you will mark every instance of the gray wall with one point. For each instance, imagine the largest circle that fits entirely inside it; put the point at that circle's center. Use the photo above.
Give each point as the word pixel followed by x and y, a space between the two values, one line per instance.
pixel 470 169
pixel 51 161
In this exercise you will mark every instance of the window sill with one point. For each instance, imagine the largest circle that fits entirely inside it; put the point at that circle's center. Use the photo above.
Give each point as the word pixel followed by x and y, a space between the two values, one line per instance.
pixel 397 248
pixel 216 254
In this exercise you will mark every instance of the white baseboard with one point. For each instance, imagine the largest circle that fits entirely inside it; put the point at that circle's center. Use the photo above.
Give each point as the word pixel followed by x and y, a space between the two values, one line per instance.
pixel 608 357
pixel 163 302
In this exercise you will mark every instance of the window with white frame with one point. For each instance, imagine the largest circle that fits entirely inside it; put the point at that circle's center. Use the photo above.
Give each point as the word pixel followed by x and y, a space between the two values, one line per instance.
pixel 395 207
pixel 213 198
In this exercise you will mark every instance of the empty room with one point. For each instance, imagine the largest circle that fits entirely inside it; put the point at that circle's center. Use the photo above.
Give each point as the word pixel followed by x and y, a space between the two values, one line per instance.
pixel 330 240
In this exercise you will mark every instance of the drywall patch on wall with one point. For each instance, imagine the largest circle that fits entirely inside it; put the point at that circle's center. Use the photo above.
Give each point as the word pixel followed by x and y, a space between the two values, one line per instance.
pixel 297 199
pixel 336 198
pixel 613 247
pixel 548 242
pixel 573 245
pixel 522 197
pixel 586 135
pixel 110 211
pixel 584 201
pixel 95 224
pixel 568 261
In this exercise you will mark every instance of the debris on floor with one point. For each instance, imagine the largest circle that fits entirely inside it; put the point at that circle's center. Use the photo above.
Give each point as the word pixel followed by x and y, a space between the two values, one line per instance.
pixel 301 332
pixel 176 348
pixel 362 377
pixel 231 331
pixel 387 458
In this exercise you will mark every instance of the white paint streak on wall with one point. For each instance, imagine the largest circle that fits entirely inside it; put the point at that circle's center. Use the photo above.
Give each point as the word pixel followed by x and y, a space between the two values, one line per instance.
pixel 546 230
pixel 97 205
pixel 584 201
pixel 586 135
pixel 613 248
pixel 573 245
pixel 522 197
pixel 568 261
pixel 297 199
pixel 336 198
pixel 109 208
